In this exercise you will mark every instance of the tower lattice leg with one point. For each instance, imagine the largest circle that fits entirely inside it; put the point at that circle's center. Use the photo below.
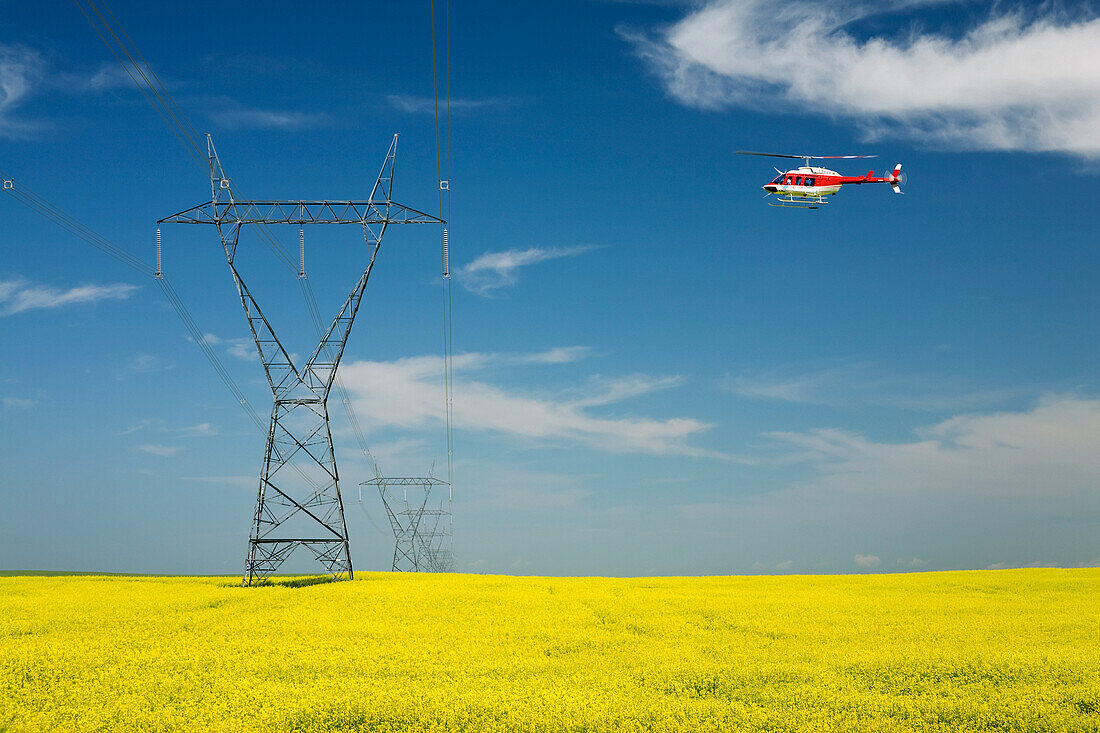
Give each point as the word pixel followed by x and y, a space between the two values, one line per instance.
pixel 299 502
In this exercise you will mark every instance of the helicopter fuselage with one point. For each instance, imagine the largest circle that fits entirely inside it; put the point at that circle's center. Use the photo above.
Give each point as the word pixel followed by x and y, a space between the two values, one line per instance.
pixel 811 181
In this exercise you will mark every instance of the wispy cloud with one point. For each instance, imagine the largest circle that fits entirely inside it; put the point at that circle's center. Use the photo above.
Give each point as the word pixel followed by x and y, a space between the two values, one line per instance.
pixel 977 475
pixel 556 355
pixel 240 348
pixel 782 566
pixel 254 65
pixel 21 71
pixel 200 430
pixel 670 3
pixel 111 76
pixel 17 403
pixel 237 482
pixel 862 385
pixel 1007 83
pixel 165 451
pixel 137 427
pixel 492 271
pixel 144 364
pixel 518 489
pixel 18 295
pixel 400 449
pixel 406 393
pixel 602 391
pixel 413 104
pixel 867 561
pixel 1052 450
pixel 232 115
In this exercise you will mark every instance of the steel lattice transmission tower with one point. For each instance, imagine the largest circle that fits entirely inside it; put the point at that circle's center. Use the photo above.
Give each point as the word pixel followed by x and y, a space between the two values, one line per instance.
pixel 421 527
pixel 299 502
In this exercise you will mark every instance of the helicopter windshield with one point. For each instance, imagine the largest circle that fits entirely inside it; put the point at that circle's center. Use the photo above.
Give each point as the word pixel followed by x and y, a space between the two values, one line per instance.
pixel 778 179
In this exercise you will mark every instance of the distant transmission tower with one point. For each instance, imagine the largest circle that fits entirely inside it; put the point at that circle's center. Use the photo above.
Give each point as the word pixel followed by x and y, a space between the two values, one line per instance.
pixel 421 523
pixel 299 503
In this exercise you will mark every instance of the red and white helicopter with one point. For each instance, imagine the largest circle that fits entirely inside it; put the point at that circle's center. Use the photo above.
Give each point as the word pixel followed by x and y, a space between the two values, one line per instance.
pixel 807 186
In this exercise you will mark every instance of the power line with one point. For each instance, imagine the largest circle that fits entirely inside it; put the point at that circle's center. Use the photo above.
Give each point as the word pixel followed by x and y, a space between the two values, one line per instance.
pixel 114 36
pixel 445 215
pixel 152 88
pixel 53 213
pixel 118 41
pixel 85 233
pixel 45 208
pixel 150 85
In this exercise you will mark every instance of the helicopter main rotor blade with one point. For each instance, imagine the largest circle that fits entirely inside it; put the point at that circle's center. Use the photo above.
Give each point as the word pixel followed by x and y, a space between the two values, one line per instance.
pixel 803 157
pixel 772 155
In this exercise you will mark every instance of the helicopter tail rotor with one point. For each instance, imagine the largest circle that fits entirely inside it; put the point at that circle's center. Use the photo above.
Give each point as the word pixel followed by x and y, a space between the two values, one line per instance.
pixel 897 178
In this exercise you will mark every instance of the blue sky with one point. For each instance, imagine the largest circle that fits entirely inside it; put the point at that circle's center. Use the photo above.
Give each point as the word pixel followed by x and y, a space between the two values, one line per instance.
pixel 656 372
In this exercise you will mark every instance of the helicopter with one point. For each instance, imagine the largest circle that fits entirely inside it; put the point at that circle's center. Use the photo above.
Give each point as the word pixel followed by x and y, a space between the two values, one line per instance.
pixel 807 186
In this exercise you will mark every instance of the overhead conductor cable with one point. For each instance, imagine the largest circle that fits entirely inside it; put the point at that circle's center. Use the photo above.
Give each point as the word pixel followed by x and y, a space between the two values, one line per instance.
pixel 445 215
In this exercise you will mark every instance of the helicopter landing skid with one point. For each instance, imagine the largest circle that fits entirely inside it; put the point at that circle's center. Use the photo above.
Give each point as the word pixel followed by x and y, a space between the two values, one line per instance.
pixel 802 202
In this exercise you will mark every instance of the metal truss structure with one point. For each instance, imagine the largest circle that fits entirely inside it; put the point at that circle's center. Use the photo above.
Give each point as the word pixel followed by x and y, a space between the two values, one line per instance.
pixel 421 527
pixel 299 502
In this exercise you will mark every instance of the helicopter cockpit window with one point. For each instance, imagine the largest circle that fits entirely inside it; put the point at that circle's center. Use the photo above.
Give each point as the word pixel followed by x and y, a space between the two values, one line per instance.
pixel 798 181
pixel 809 181
pixel 790 179
pixel 778 179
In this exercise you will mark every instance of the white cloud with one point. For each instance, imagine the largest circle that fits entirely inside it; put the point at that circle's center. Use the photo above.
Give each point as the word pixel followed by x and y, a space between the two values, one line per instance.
pixel 143 363
pixel 164 451
pixel 407 393
pixel 233 115
pixel 1014 81
pixel 24 72
pixel 783 565
pixel 237 482
pixel 243 349
pixel 413 104
pixel 18 295
pixel 867 561
pixel 860 385
pixel 110 76
pixel 914 563
pixel 240 348
pixel 494 486
pixel 494 270
pixel 972 484
pixel 17 403
pixel 140 425
pixel 397 449
pixel 21 70
pixel 201 430
pixel 557 355
pixel 1014 565
pixel 600 391
pixel 1051 451
pixel 536 498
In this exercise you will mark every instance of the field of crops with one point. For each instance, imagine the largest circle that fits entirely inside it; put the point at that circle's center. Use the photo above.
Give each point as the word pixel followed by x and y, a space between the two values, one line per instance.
pixel 988 650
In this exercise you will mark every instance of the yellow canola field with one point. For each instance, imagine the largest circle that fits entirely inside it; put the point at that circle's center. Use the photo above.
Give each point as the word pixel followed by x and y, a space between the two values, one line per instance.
pixel 961 651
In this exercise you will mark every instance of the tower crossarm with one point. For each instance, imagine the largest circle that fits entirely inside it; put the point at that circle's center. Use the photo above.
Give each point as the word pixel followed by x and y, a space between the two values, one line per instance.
pixel 404 481
pixel 300 213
